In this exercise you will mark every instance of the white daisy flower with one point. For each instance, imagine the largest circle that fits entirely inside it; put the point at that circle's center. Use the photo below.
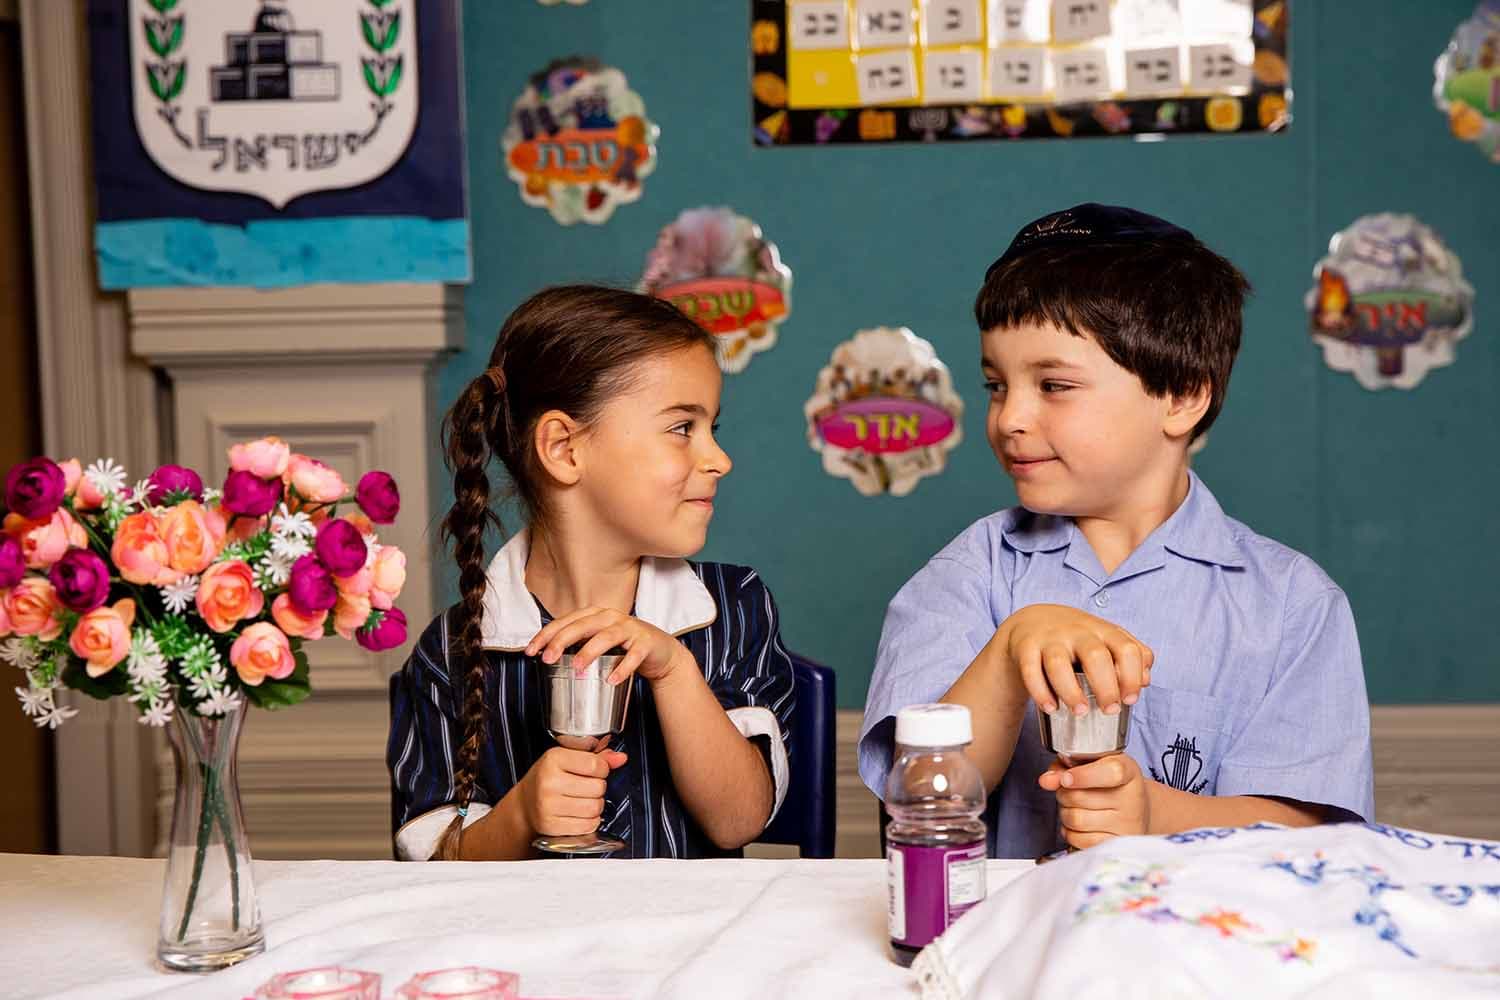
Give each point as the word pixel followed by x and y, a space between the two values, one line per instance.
pixel 212 495
pixel 276 569
pixel 35 701
pixel 139 495
pixel 178 597
pixel 107 476
pixel 19 652
pixel 56 717
pixel 289 548
pixel 219 702
pixel 158 715
pixel 208 683
pixel 287 524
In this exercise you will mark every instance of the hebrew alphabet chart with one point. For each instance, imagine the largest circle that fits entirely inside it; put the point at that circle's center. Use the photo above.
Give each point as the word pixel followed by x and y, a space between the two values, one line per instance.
pixel 861 71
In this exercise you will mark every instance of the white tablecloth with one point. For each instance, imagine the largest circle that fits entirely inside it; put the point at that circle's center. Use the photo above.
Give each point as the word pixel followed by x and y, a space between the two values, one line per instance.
pixel 86 927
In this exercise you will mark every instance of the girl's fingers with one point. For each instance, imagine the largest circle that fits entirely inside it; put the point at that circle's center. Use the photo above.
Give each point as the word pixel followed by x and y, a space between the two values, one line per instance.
pixel 602 642
pixel 1099 668
pixel 576 631
pixel 634 657
pixel 540 640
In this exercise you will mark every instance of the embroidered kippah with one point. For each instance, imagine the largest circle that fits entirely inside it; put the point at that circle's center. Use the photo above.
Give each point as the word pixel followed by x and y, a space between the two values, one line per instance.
pixel 1088 223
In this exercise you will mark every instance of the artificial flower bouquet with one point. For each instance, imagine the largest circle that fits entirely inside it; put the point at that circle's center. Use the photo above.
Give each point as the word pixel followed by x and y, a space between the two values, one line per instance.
pixel 181 597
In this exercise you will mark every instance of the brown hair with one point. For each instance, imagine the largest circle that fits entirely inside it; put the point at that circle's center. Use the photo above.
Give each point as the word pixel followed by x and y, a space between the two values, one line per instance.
pixel 572 348
pixel 1168 311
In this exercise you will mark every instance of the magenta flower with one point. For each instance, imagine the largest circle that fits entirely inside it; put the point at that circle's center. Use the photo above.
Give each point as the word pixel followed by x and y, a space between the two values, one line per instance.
pixel 81 580
pixel 174 479
pixel 378 497
pixel 388 634
pixel 12 562
pixel 248 495
pixel 35 489
pixel 341 548
pixel 311 587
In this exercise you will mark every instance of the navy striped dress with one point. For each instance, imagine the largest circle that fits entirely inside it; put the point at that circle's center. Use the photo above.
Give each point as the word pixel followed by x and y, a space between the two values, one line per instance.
pixel 742 658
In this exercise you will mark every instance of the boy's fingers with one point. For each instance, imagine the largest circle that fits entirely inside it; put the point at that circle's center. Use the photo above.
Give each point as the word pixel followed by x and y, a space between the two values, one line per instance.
pixel 1029 663
pixel 1083 841
pixel 1105 799
pixel 1087 820
pixel 1108 772
pixel 1128 668
pixel 1051 779
pixel 1099 668
pixel 1057 662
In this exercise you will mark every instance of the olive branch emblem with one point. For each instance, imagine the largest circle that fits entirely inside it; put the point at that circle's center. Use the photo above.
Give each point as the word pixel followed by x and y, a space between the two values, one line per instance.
pixel 382 72
pixel 164 74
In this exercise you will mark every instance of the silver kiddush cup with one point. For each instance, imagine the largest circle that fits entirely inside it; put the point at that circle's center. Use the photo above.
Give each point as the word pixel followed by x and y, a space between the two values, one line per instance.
pixel 1078 739
pixel 583 713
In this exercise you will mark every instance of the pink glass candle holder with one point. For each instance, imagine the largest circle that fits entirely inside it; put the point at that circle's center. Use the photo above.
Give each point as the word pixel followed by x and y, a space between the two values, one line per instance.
pixel 468 983
pixel 327 983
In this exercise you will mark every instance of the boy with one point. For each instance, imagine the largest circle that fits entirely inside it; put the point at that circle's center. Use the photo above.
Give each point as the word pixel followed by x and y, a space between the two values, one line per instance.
pixel 1107 339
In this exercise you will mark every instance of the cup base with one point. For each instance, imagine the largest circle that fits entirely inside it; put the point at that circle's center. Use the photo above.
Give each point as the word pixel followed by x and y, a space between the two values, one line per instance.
pixel 588 843
pixel 209 955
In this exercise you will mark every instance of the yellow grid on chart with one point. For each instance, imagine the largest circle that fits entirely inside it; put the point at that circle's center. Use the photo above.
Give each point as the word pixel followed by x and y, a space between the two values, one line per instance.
pixel 853 53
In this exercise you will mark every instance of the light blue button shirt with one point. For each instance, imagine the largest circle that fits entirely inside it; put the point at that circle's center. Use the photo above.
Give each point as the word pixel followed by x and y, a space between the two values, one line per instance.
pixel 1257 689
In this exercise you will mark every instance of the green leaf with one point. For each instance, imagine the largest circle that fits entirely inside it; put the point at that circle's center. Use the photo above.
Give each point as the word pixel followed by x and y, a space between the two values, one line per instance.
pixel 177 81
pixel 162 6
pixel 394 80
pixel 377 3
pixel 391 33
pixel 160 91
pixel 369 69
pixel 368 28
pixel 274 694
pixel 76 676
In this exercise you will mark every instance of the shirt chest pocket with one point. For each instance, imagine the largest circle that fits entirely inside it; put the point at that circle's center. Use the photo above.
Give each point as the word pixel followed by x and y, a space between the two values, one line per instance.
pixel 1180 737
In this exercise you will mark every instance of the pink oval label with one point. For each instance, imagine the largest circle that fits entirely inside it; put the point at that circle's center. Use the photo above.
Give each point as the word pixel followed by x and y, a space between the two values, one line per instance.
pixel 884 424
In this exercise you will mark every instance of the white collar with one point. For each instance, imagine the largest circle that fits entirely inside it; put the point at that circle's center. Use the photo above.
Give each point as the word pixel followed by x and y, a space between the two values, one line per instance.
pixel 668 595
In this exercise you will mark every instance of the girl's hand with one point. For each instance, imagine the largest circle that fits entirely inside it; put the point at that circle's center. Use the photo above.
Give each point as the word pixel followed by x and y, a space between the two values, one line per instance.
pixel 648 650
pixel 563 793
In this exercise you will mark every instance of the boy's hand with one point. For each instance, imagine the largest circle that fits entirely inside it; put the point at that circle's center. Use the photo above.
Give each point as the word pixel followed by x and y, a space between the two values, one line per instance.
pixel 1099 800
pixel 563 793
pixel 648 649
pixel 1045 640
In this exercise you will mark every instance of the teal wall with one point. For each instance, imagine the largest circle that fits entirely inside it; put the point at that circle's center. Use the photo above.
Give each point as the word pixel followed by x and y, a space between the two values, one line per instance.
pixel 1392 492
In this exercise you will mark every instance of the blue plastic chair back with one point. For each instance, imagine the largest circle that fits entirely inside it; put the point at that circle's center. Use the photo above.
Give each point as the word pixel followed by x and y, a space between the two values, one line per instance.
pixel 806 818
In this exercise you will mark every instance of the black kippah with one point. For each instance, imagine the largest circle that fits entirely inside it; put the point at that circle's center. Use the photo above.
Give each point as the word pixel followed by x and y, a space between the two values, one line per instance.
pixel 1088 223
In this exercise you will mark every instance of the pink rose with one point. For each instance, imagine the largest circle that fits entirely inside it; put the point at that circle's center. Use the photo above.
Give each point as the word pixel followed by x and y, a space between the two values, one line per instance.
pixel 140 553
pixel 378 496
pixel 389 576
pixel 350 614
pixel 102 637
pixel 194 536
pixel 5 627
pixel 294 622
pixel 262 651
pixel 314 481
pixel 32 608
pixel 85 495
pixel 390 633
pixel 34 489
pixel 266 458
pixel 355 583
pixel 43 542
pixel 227 595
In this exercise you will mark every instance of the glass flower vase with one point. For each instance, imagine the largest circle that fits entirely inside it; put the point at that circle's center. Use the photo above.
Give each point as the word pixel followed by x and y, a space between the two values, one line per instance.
pixel 209 915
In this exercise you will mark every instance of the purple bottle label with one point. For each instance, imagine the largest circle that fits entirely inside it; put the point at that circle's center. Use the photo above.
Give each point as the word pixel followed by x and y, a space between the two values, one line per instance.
pixel 930 887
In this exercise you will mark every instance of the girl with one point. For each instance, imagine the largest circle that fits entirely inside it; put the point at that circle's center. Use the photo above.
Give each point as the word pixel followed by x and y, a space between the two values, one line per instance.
pixel 601 406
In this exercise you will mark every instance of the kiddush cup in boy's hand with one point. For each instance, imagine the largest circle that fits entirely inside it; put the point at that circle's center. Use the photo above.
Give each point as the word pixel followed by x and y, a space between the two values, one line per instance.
pixel 1040 644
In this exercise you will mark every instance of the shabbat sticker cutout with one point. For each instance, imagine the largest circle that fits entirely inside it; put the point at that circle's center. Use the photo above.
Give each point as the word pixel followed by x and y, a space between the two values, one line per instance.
pixel 579 142
pixel 1390 302
pixel 720 271
pixel 1467 80
pixel 884 413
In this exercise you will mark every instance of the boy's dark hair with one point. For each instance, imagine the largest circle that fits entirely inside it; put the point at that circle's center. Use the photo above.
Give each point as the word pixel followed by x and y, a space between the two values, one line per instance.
pixel 1166 310
pixel 571 348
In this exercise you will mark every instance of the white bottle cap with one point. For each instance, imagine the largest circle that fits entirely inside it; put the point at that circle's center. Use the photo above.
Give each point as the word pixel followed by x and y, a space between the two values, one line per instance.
pixel 934 726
